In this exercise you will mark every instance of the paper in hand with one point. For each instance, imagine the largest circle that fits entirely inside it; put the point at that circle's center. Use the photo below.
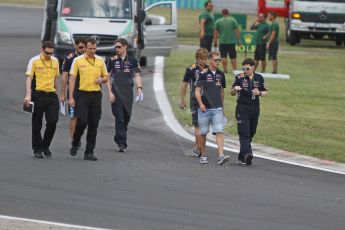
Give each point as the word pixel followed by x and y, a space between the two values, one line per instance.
pixel 139 98
pixel 62 108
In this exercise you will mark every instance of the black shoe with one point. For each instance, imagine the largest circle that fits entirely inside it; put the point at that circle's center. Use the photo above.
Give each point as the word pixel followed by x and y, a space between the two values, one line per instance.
pixel 240 160
pixel 122 148
pixel 248 158
pixel 79 145
pixel 90 157
pixel 47 152
pixel 38 154
pixel 73 151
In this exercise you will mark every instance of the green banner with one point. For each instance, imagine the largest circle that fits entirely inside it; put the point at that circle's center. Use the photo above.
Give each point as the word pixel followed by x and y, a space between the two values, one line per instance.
pixel 248 42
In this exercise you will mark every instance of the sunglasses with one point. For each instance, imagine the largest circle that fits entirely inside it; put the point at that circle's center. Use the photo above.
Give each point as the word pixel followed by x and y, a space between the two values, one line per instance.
pixel 246 68
pixel 118 47
pixel 217 60
pixel 48 53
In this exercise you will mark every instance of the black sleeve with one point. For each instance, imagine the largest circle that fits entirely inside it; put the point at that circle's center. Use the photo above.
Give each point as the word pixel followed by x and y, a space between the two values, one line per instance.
pixel 109 65
pixel 187 75
pixel 66 64
pixel 262 86
pixel 199 82
pixel 236 81
pixel 136 66
pixel 223 81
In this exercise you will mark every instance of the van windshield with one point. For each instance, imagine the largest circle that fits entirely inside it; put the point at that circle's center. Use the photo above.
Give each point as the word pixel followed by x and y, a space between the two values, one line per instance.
pixel 120 9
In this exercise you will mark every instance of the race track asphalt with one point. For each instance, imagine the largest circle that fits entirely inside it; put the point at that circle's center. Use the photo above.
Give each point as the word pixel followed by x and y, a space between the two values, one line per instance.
pixel 154 185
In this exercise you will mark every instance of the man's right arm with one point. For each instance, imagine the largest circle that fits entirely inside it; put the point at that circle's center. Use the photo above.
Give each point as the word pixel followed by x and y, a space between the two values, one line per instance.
pixel 183 91
pixel 202 27
pixel 64 78
pixel 27 98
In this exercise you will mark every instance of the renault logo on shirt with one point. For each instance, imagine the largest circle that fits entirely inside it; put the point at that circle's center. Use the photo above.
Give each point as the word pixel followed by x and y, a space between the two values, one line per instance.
pixel 97 38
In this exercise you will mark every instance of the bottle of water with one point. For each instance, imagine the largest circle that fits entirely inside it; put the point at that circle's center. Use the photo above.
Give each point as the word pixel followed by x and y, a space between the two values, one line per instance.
pixel 71 112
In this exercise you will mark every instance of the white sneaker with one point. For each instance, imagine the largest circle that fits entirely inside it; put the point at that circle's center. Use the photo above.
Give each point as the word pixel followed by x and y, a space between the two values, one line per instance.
pixel 203 160
pixel 223 159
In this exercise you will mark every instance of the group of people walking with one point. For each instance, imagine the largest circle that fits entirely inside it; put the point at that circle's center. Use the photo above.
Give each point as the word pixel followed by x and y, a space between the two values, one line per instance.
pixel 85 72
pixel 207 83
pixel 225 34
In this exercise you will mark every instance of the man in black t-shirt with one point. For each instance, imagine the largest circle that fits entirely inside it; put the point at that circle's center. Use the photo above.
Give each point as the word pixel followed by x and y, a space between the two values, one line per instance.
pixel 80 47
pixel 123 69
pixel 209 92
pixel 190 77
pixel 248 86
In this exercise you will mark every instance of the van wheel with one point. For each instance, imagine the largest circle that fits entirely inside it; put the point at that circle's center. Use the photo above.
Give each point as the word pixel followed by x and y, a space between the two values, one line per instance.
pixel 143 61
pixel 338 41
pixel 287 35
pixel 293 38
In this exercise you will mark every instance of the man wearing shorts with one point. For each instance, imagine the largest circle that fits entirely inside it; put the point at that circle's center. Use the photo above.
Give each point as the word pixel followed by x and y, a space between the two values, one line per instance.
pixel 228 32
pixel 262 29
pixel 273 41
pixel 190 76
pixel 209 93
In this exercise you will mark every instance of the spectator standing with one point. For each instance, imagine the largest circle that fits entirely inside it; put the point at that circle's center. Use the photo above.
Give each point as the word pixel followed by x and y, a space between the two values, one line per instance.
pixel 228 32
pixel 206 21
pixel 190 76
pixel 92 72
pixel 209 92
pixel 273 41
pixel 41 81
pixel 262 32
pixel 248 86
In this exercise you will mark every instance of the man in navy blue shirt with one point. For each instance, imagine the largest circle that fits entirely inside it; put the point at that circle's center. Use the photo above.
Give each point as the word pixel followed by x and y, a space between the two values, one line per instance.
pixel 209 92
pixel 121 90
pixel 80 47
pixel 248 86
pixel 190 77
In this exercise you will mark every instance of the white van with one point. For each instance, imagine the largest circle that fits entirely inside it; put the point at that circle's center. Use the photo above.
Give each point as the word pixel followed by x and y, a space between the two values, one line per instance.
pixel 316 19
pixel 151 30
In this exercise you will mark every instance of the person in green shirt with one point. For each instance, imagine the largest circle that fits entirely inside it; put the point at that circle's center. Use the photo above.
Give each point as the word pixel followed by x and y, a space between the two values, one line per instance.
pixel 262 32
pixel 206 21
pixel 228 32
pixel 273 41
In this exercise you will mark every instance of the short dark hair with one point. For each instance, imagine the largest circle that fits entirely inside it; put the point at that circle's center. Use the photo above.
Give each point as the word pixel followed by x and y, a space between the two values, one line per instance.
pixel 207 2
pixel 122 41
pixel 273 14
pixel 248 61
pixel 80 40
pixel 225 12
pixel 48 44
pixel 91 41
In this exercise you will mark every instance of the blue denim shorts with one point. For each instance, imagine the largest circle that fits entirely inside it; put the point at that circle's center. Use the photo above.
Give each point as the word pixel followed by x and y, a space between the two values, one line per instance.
pixel 215 117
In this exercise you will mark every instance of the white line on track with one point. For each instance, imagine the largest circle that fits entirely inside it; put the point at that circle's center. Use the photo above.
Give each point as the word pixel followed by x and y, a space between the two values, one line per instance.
pixel 41 222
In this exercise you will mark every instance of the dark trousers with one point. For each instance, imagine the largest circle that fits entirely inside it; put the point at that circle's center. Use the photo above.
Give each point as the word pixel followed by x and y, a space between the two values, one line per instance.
pixel 206 42
pixel 247 121
pixel 122 118
pixel 89 111
pixel 45 104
